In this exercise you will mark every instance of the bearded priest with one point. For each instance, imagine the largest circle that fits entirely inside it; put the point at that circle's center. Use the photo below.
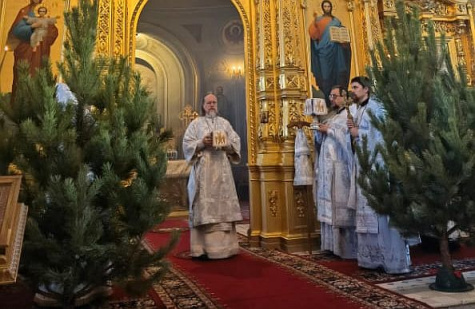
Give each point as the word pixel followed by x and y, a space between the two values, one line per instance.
pixel 210 145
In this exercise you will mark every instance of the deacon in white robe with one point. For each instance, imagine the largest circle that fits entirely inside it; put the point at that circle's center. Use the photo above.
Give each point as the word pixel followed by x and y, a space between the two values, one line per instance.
pixel 214 205
pixel 379 244
pixel 337 218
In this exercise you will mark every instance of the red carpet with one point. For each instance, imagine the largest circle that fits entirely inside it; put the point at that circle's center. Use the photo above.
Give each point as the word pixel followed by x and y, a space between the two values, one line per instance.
pixel 260 278
pixel 246 281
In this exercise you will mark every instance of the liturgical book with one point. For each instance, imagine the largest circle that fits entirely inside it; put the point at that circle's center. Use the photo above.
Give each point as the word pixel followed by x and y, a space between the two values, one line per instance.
pixel 339 34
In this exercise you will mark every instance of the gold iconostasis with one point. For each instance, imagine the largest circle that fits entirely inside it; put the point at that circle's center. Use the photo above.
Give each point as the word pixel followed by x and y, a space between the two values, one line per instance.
pixel 278 80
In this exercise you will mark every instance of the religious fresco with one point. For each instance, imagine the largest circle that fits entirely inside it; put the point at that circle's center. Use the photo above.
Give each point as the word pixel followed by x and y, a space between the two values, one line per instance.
pixel 13 12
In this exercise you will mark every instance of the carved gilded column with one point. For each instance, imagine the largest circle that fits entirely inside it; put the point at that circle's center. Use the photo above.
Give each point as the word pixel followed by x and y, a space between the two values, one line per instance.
pixel 265 197
pixel 113 36
pixel 105 26
pixel 372 27
pixel 462 39
pixel 280 221
pixel 471 40
pixel 120 36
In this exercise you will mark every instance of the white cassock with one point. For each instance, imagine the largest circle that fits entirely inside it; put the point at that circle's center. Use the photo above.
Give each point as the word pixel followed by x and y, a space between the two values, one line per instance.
pixel 214 205
pixel 336 216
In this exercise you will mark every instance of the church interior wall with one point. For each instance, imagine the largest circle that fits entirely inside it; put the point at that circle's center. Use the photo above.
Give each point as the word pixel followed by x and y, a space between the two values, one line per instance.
pixel 190 55
pixel 207 40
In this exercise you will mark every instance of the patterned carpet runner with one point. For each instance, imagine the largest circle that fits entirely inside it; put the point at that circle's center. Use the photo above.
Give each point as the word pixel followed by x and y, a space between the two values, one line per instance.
pixel 301 282
pixel 263 278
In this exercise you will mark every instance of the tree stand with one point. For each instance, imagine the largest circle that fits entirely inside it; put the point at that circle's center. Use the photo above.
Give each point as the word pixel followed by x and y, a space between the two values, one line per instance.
pixel 448 280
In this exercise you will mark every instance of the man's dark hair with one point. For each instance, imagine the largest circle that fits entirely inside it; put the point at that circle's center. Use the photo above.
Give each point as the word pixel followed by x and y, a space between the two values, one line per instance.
pixel 363 81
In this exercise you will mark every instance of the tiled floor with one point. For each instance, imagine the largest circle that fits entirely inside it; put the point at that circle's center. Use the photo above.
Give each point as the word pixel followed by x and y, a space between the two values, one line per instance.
pixel 419 289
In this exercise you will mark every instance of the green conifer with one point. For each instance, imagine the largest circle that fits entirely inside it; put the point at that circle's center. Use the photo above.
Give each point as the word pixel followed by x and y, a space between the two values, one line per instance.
pixel 92 167
pixel 428 175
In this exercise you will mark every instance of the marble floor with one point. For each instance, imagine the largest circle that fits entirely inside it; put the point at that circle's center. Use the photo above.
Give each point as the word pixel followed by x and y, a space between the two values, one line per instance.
pixel 418 289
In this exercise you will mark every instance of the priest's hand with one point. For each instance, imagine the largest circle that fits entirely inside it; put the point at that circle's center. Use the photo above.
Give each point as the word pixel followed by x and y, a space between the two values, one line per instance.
pixel 208 140
pixel 352 127
pixel 322 128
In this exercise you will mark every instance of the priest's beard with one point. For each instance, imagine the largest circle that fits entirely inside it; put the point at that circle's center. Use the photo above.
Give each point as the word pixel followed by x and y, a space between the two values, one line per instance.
pixel 212 114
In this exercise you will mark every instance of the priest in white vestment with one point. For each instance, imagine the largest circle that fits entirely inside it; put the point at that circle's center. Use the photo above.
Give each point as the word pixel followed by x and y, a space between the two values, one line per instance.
pixel 214 205
pixel 379 244
pixel 337 218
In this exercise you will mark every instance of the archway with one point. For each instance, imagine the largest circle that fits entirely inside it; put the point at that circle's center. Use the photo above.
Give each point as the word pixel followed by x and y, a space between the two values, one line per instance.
pixel 195 48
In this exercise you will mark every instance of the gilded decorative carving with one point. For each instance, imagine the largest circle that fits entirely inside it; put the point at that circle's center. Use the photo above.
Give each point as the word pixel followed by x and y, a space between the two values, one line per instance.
pixel 104 27
pixel 462 62
pixel 119 31
pixel 267 40
pixel 278 22
pixel 265 65
pixel 375 25
pixel 259 40
pixel 291 110
pixel 371 24
pixel 272 125
pixel 424 5
pixel 389 5
pixel 290 29
pixel 350 6
pixel 300 203
pixel 461 9
pixel 290 81
pixel 440 9
pixel 454 19
pixel 269 83
pixel 472 40
pixel 272 197
pixel 367 39
pixel 460 27
pixel 460 53
pixel 251 82
pixel 133 26
pixel 448 28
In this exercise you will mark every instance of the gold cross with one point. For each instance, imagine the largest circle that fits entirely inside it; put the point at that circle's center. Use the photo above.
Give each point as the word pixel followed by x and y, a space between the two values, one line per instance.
pixel 187 115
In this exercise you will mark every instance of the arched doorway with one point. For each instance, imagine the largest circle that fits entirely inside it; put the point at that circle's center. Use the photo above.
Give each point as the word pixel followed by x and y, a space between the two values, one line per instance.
pixel 186 49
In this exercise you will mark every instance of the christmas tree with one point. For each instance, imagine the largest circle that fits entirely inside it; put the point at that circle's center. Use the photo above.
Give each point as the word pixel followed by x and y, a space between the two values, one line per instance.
pixel 92 159
pixel 428 175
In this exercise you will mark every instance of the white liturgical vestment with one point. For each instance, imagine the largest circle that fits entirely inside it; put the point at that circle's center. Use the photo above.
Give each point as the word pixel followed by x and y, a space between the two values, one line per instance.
pixel 379 244
pixel 336 215
pixel 211 188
